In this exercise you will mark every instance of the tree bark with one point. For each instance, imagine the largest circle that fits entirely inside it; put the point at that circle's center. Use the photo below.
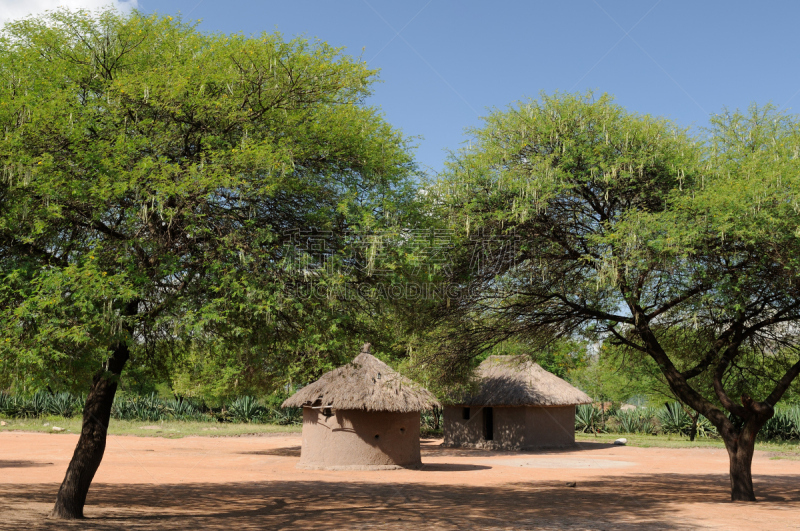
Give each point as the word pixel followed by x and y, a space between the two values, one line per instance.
pixel 740 452
pixel 92 442
pixel 693 427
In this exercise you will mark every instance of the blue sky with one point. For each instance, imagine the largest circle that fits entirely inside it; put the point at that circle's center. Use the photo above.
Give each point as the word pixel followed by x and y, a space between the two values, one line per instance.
pixel 454 60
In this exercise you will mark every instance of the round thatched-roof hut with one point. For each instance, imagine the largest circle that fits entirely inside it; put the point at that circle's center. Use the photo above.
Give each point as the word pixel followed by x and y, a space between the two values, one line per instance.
pixel 518 405
pixel 364 415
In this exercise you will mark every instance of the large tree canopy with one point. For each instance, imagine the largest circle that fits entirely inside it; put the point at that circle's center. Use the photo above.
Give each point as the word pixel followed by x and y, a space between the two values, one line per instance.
pixel 155 180
pixel 626 226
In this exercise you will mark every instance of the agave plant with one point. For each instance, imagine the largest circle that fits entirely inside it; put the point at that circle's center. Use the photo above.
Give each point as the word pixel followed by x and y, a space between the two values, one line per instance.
pixel 288 416
pixel 246 409
pixel 145 408
pixel 674 419
pixel 636 421
pixel 61 404
pixel 705 428
pixel 182 409
pixel 784 425
pixel 8 405
pixel 35 406
pixel 587 419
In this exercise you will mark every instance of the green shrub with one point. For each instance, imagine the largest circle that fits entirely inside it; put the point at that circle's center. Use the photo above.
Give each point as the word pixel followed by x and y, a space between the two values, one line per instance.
pixel 784 425
pixel 431 421
pixel 288 416
pixel 674 419
pixel 62 405
pixel 588 419
pixel 246 409
pixel 636 421
pixel 8 406
pixel 184 409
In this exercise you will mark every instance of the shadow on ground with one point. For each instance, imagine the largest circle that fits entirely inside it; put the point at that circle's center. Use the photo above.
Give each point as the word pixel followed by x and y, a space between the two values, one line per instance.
pixel 22 464
pixel 286 451
pixel 433 448
pixel 644 502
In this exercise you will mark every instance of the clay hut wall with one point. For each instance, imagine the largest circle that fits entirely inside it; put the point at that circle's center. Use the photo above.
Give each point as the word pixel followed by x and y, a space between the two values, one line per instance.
pixel 512 428
pixel 359 440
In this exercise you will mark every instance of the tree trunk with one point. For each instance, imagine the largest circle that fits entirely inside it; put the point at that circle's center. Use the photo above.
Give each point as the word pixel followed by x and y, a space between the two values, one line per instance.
pixel 693 427
pixel 740 451
pixel 92 442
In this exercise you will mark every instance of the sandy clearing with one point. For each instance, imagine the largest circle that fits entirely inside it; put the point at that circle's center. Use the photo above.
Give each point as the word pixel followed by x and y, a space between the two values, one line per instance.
pixel 252 483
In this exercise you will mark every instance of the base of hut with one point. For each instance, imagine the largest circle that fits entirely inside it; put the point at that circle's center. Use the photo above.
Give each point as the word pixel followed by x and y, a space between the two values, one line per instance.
pixel 359 440
pixel 358 467
pixel 495 447
pixel 515 428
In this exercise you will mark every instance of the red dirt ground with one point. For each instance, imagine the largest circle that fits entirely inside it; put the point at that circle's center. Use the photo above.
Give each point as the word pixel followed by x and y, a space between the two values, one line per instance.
pixel 249 483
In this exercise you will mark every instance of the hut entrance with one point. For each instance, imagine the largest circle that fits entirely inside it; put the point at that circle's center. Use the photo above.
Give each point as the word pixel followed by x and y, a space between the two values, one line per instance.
pixel 488 424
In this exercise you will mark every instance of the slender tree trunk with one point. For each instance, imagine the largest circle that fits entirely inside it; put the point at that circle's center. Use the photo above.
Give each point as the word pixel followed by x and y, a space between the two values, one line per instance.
pixel 92 442
pixel 693 427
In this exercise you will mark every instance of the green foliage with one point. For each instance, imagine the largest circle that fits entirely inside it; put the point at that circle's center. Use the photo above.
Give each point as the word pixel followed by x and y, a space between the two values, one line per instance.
pixel 682 252
pixel 432 422
pixel 156 182
pixel 588 419
pixel 636 421
pixel 669 419
pixel 784 425
pixel 246 409
pixel 40 404
pixel 674 419
pixel 288 416
pixel 151 408
pixel 560 357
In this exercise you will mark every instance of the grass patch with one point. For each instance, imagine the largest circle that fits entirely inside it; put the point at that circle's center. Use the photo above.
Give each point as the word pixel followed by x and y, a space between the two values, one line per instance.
pixel 781 449
pixel 172 429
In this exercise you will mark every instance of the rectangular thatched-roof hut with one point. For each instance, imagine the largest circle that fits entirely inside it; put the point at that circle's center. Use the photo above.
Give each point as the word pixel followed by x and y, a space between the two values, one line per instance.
pixel 518 406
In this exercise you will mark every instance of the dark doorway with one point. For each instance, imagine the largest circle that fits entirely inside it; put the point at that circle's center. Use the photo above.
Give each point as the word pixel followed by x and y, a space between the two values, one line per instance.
pixel 465 413
pixel 488 424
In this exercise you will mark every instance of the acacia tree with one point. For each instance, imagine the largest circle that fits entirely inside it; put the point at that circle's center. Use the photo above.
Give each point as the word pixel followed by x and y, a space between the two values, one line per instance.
pixel 626 224
pixel 153 179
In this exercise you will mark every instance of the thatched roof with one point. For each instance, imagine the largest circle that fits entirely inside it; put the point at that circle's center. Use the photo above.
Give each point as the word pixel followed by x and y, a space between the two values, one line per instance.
pixel 367 384
pixel 517 381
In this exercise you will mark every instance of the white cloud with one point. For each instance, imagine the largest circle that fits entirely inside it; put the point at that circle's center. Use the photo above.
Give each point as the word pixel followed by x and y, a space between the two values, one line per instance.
pixel 14 9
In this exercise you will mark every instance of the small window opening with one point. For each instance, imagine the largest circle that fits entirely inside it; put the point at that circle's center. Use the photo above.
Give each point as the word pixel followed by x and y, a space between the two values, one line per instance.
pixel 488 424
pixel 377 436
pixel 402 430
pixel 327 412
pixel 465 413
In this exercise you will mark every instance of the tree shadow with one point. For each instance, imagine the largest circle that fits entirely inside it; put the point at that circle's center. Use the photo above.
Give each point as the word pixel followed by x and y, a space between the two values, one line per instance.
pixel 434 448
pixel 22 464
pixel 286 451
pixel 628 503
pixel 451 467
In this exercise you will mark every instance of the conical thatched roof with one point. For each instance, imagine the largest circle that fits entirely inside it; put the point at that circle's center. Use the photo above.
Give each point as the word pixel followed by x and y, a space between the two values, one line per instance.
pixel 517 381
pixel 367 384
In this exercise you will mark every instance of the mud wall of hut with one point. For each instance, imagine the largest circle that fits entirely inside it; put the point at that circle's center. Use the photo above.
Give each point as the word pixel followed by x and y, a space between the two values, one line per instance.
pixel 512 428
pixel 352 439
